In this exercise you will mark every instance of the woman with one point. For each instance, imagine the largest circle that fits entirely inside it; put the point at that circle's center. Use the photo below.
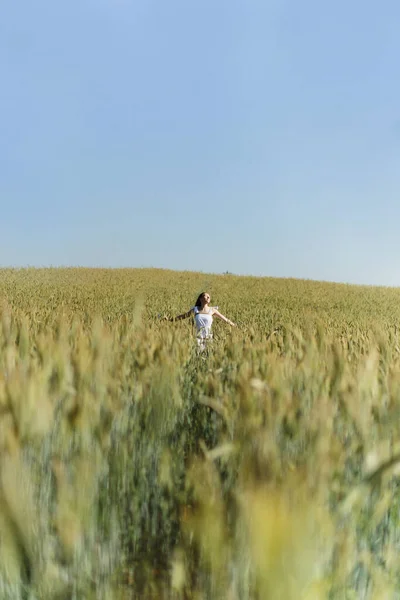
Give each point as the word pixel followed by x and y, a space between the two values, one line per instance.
pixel 203 318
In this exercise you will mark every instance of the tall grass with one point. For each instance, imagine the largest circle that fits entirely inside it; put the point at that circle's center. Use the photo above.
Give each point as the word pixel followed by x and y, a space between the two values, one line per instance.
pixel 131 466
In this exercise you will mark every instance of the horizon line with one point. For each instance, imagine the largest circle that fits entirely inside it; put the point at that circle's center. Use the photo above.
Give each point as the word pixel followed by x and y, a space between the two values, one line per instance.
pixel 207 273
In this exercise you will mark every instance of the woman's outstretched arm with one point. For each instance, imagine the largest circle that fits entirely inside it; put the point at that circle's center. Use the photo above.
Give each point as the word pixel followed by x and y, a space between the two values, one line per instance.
pixel 218 314
pixel 182 316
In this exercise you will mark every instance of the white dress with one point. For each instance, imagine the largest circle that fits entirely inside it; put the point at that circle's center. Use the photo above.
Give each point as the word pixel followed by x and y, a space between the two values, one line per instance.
pixel 203 322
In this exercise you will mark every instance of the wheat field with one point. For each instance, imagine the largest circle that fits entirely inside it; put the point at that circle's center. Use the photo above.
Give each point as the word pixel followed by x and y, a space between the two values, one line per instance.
pixel 134 467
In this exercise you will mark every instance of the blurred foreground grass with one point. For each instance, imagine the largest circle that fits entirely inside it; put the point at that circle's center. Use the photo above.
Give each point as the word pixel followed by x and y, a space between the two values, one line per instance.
pixel 132 467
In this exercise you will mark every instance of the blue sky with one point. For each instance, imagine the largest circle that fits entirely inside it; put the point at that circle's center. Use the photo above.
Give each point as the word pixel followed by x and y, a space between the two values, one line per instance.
pixel 254 136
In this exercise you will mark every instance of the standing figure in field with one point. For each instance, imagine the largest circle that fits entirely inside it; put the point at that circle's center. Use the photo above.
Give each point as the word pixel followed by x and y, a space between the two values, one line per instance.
pixel 203 317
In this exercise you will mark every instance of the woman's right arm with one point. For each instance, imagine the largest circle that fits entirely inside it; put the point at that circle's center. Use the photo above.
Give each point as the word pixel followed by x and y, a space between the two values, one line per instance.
pixel 182 316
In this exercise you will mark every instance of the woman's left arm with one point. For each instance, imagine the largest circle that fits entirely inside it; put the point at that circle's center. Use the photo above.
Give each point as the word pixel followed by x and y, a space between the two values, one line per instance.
pixel 216 313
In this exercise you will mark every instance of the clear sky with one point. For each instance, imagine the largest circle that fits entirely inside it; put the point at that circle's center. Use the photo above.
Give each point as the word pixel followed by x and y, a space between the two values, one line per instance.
pixel 256 136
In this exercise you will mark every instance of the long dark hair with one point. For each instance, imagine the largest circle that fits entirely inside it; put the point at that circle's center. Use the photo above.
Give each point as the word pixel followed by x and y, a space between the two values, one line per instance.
pixel 198 301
